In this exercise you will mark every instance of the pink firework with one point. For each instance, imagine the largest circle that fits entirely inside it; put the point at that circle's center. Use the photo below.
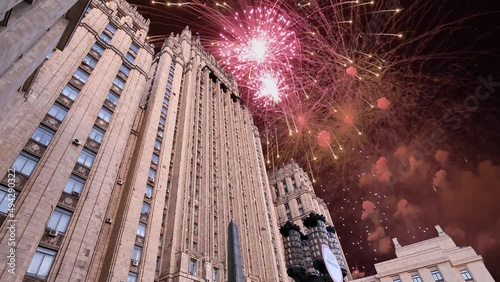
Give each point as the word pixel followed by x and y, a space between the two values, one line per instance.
pixel 258 45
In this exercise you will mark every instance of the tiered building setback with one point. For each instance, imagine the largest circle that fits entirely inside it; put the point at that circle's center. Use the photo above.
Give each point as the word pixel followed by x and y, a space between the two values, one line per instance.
pixel 128 166
pixel 294 199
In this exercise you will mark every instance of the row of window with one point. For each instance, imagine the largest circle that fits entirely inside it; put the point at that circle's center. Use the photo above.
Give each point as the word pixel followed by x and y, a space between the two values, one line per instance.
pixel 436 275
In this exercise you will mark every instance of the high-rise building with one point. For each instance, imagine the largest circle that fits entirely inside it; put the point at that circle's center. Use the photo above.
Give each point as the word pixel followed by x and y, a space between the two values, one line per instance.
pixel 30 31
pixel 294 199
pixel 129 166
pixel 436 259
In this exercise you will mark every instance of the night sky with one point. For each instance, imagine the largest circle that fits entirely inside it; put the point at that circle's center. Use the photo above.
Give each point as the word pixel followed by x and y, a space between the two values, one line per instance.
pixel 403 188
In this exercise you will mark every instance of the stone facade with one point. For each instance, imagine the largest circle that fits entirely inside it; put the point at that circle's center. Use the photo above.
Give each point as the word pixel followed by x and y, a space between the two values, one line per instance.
pixel 437 259
pixel 29 31
pixel 131 165
pixel 294 199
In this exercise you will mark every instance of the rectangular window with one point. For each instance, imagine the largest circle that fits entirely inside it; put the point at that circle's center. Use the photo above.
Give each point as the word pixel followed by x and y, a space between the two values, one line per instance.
pixel 192 267
pixel 112 97
pixel 125 70
pixel 437 276
pixel 166 101
pixel 416 278
pixel 136 253
pixel 196 211
pixel 70 92
pixel 195 229
pixel 104 37
pixel 155 159
pixel 289 216
pixel 134 48
pixel 86 158
pixel 42 262
pixel 132 277
pixel 5 199
pixel 43 135
pixel 141 230
pixel 466 275
pixel 299 202
pixel 169 84
pixel 301 211
pixel 111 28
pixel 105 115
pixel 167 92
pixel 152 173
pixel 90 61
pixel 98 48
pixel 170 76
pixel 96 134
pixel 277 192
pixel 160 133
pixel 25 163
pixel 120 83
pixel 88 10
pixel 58 112
pixel 215 275
pixel 81 75
pixel 164 110
pixel 157 145
pixel 60 220
pixel 396 280
pixel 75 184
pixel 287 206
pixel 130 58
pixel 145 208
pixel 162 120
pixel 149 191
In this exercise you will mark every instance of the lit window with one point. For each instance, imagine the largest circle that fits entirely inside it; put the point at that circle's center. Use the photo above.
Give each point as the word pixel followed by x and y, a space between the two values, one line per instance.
pixel 287 206
pixel 96 134
pixel 132 277
pixel 58 112
pixel 125 70
pixel 75 184
pixel 466 275
pixel 105 115
pixel 136 253
pixel 416 278
pixel 155 159
pixel 437 276
pixel 43 135
pixel 118 82
pixel 25 163
pixel 90 61
pixel 42 262
pixel 70 92
pixel 111 28
pixel 112 97
pixel 192 267
pixel 104 37
pixel 130 58
pixel 157 145
pixel 134 48
pixel 60 220
pixel 141 230
pixel 5 199
pixel 145 208
pixel 149 191
pixel 86 158
pixel 162 120
pixel 98 48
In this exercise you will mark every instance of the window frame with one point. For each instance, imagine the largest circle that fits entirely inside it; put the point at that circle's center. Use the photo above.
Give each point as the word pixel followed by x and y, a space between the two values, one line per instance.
pixel 60 108
pixel 44 252
pixel 96 132
pixel 113 28
pixel 127 70
pixel 73 92
pixel 4 199
pixel 43 131
pixel 55 223
pixel 87 154
pixel 137 253
pixel 32 159
pixel 121 83
pixel 115 97
pixel 90 61
pixel 129 58
pixel 145 208
pixel 105 115
pixel 141 226
pixel 74 180
pixel 99 49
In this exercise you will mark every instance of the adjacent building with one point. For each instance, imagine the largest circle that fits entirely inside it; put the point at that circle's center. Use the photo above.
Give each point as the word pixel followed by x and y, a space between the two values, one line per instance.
pixel 125 165
pixel 30 31
pixel 437 259
pixel 294 199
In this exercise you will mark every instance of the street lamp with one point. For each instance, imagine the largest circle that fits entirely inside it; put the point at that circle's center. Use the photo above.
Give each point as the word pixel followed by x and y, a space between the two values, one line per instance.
pixel 303 253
